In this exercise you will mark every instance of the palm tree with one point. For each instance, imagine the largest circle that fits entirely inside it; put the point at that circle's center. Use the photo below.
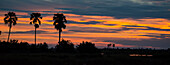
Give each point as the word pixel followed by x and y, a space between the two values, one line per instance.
pixel 59 23
pixel 10 19
pixel 35 20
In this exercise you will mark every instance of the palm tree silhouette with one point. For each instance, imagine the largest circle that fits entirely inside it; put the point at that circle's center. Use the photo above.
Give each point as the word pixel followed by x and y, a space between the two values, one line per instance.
pixel 10 19
pixel 59 23
pixel 35 20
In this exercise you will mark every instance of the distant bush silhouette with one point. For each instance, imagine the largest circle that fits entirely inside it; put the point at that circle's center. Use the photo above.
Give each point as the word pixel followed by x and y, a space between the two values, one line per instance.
pixel 15 46
pixel 65 46
pixel 86 47
pixel 42 47
pixel 24 46
pixel 108 45
pixel 113 45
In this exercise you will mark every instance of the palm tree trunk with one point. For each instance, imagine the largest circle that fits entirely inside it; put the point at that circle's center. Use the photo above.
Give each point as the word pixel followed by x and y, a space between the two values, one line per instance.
pixel 59 36
pixel 35 35
pixel 9 31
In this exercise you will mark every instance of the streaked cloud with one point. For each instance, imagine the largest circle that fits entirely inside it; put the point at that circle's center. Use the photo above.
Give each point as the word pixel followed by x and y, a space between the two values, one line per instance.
pixel 143 2
pixel 127 23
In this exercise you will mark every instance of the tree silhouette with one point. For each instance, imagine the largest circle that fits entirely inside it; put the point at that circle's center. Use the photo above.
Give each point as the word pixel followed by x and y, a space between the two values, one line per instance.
pixel 10 19
pixel 35 17
pixel 86 47
pixel 65 46
pixel 108 45
pixel 16 46
pixel 59 22
pixel 42 47
pixel 113 45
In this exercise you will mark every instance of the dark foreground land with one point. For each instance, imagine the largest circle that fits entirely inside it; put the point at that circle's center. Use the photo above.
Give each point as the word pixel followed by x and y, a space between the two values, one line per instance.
pixel 79 59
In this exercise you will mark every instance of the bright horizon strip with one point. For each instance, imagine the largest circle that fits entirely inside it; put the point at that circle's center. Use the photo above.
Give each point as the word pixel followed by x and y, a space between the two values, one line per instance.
pixel 71 35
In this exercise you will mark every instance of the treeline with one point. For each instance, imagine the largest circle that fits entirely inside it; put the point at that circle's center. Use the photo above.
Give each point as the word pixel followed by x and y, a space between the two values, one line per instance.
pixel 67 46
pixel 64 46
pixel 15 46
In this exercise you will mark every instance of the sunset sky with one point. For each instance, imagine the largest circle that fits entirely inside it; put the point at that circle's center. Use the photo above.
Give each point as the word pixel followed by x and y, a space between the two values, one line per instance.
pixel 126 23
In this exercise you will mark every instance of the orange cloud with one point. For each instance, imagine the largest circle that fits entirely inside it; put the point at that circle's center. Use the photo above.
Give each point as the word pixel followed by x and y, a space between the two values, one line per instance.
pixel 118 24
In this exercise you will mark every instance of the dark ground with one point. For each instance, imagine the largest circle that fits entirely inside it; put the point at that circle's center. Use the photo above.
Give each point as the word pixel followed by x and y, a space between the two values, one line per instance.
pixel 79 59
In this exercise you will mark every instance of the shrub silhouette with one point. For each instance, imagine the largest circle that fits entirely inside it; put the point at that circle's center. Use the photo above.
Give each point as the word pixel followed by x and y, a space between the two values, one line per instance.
pixel 65 46
pixel 113 45
pixel 42 47
pixel 15 46
pixel 108 45
pixel 86 47
pixel 24 46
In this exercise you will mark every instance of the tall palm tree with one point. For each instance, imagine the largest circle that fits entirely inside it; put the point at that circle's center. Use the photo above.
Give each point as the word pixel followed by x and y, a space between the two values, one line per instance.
pixel 35 20
pixel 59 23
pixel 10 19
